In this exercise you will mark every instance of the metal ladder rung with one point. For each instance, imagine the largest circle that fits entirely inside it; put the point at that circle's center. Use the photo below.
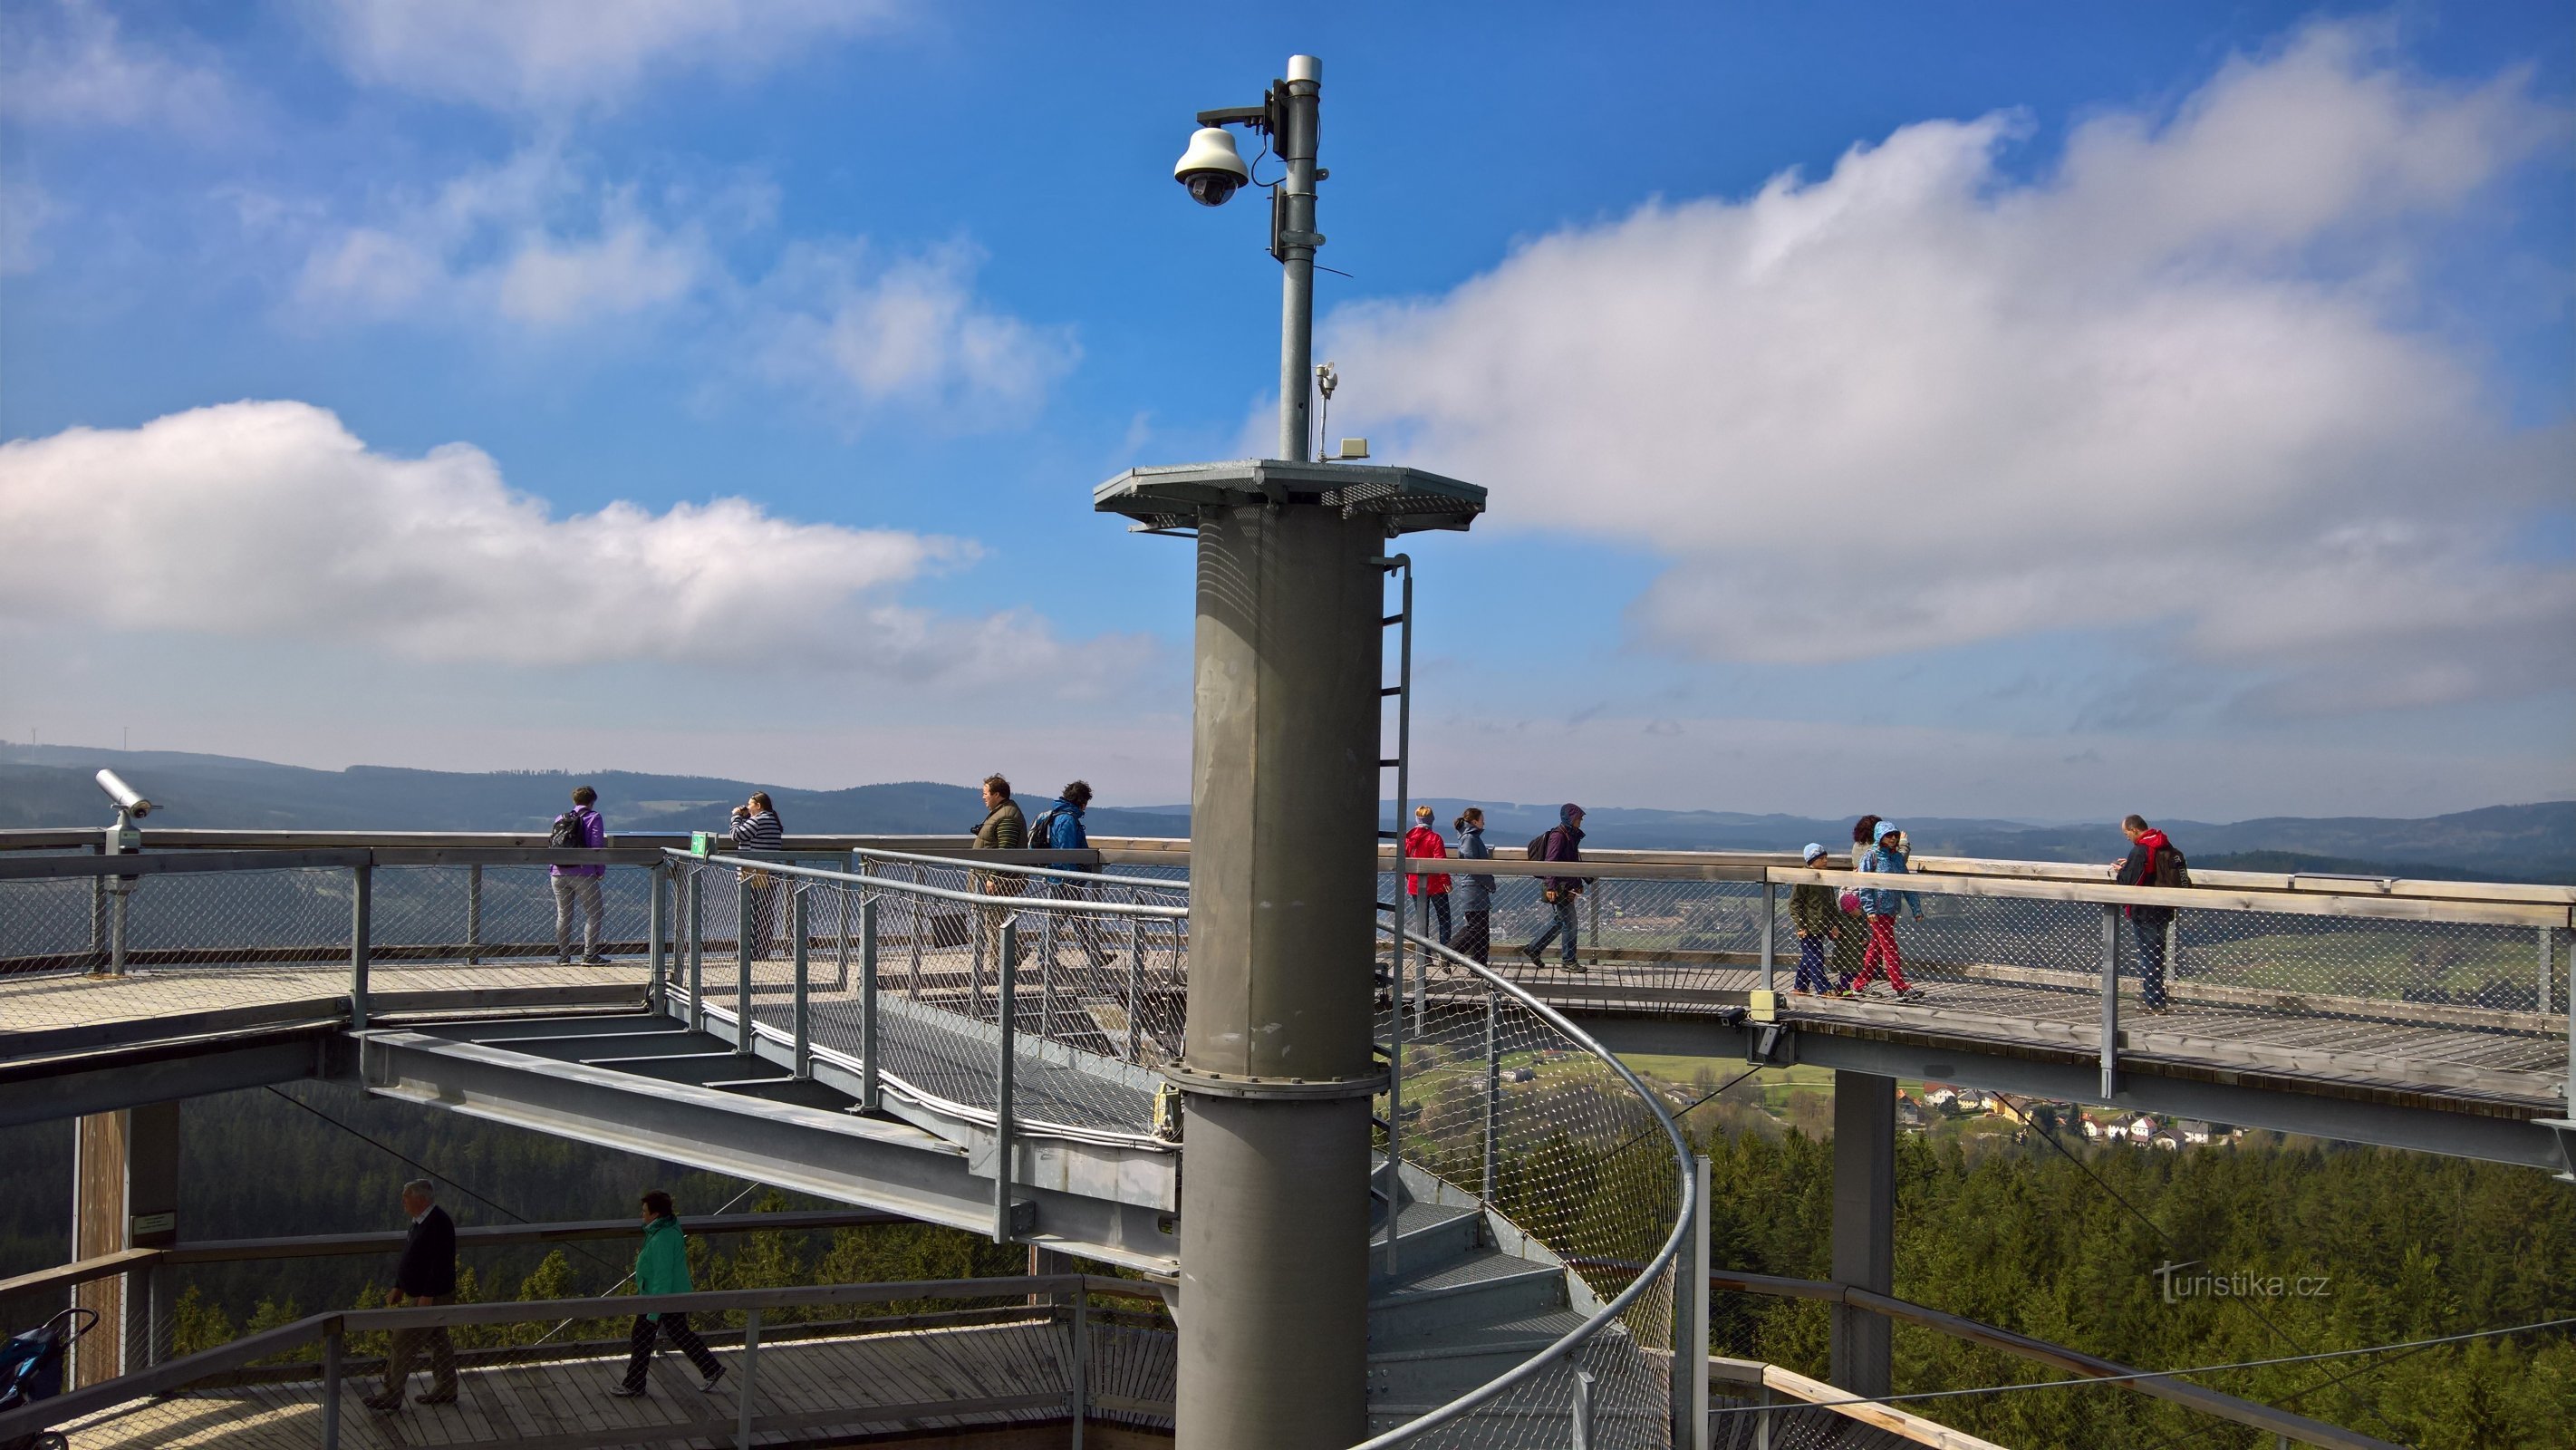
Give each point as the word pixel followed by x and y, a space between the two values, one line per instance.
pixel 1390 619
pixel 1383 764
pixel 1390 690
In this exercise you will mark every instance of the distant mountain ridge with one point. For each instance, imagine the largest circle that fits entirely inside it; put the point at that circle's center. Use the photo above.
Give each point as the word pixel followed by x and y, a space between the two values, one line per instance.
pixel 50 786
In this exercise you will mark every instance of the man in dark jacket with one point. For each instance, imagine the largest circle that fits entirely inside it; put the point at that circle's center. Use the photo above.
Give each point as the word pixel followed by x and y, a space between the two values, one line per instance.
pixel 426 1274
pixel 1004 828
pixel 2147 924
pixel 1563 843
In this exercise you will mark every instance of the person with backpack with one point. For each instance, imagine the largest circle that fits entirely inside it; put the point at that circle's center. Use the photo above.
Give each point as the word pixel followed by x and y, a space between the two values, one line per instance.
pixel 581 828
pixel 1818 920
pixel 756 828
pixel 2153 860
pixel 662 1267
pixel 1059 828
pixel 1423 843
pixel 1882 904
pixel 1561 842
pixel 1475 893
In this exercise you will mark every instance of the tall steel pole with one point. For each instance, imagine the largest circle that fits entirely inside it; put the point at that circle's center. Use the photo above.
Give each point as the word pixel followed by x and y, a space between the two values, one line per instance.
pixel 1277 1071
pixel 1297 242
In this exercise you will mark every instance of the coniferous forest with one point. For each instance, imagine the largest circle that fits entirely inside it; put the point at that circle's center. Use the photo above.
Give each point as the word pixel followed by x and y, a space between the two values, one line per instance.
pixel 2370 1247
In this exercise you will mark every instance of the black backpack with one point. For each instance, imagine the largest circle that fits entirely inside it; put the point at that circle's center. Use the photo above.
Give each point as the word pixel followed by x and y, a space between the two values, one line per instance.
pixel 1042 831
pixel 2170 868
pixel 569 833
pixel 1537 847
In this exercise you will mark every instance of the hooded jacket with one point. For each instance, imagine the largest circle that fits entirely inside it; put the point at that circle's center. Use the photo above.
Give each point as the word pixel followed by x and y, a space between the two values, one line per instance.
pixel 662 1265
pixel 1064 832
pixel 1424 844
pixel 1564 843
pixel 1887 901
pixel 2140 870
pixel 1475 893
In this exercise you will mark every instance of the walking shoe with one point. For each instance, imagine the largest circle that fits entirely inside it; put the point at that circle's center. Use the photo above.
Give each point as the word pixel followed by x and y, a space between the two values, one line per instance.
pixel 1573 968
pixel 709 1386
pixel 1852 994
pixel 382 1405
pixel 626 1391
pixel 596 960
pixel 1531 954
pixel 436 1397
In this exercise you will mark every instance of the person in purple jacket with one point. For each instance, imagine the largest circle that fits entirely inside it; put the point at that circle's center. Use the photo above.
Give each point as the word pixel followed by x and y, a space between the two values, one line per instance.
pixel 580 826
pixel 1564 843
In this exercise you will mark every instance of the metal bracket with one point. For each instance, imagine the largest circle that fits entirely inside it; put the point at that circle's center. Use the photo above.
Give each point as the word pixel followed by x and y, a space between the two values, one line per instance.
pixel 1766 1042
pixel 2564 1130
pixel 1024 1217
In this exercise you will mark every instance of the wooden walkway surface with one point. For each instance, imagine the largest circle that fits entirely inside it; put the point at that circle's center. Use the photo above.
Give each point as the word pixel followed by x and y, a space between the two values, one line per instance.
pixel 803 1390
pixel 37 1003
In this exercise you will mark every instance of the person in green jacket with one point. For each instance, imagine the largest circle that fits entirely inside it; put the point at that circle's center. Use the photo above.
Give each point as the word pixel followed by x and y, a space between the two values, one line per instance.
pixel 662 1267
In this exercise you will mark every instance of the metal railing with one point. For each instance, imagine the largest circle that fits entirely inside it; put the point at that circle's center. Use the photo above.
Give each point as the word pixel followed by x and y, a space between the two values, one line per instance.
pixel 306 1383
pixel 2465 990
pixel 1510 1103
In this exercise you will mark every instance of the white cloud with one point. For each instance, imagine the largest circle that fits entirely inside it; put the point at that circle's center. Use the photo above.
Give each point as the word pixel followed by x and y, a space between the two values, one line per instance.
pixel 556 55
pixel 271 520
pixel 910 332
pixel 1918 403
pixel 70 63
pixel 26 208
pixel 538 244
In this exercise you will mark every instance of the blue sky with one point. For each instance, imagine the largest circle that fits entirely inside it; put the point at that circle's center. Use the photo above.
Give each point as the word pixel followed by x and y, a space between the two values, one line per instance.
pixel 1978 408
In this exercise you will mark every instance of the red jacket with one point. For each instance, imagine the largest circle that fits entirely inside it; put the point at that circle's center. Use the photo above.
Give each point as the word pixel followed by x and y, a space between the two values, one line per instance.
pixel 1423 844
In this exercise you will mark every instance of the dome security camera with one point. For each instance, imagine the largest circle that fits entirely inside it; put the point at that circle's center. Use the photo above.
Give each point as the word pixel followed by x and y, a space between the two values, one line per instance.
pixel 1212 169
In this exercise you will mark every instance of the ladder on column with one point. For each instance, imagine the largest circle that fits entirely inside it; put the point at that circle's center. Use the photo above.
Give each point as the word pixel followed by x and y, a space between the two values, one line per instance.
pixel 1387 1192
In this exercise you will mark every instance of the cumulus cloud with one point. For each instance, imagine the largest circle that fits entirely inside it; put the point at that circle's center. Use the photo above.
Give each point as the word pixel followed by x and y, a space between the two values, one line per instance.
pixel 562 54
pixel 270 519
pixel 909 332
pixel 2168 383
pixel 538 244
pixel 71 63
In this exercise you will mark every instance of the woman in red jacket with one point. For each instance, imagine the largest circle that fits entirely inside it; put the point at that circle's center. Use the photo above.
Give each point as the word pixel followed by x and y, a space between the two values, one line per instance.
pixel 1423 843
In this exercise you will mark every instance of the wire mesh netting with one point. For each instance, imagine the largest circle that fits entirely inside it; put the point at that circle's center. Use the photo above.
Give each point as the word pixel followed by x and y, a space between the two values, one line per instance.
pixel 2451 988
pixel 1501 1109
pixel 833 1364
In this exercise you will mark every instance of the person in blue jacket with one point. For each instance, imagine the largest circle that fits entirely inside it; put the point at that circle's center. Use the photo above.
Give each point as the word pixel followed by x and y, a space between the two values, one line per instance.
pixel 1059 828
pixel 1881 904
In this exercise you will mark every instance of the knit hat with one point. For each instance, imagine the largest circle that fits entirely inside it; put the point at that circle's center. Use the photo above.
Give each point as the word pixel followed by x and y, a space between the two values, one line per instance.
pixel 1812 852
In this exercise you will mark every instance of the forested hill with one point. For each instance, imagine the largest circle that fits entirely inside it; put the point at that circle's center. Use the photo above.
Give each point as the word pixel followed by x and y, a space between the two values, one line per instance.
pixel 50 786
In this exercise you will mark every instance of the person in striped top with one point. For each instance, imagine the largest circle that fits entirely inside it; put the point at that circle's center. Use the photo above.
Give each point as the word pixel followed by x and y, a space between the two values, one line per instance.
pixel 756 828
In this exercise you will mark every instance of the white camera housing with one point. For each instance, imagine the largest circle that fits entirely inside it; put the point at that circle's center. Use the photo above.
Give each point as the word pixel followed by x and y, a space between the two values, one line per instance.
pixel 1211 168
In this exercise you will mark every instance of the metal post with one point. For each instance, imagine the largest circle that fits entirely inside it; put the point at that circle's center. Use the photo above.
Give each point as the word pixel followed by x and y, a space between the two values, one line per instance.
pixel 1864 1226
pixel 2548 956
pixel 921 877
pixel 1697 1292
pixel 1493 1087
pixel 1003 1067
pixel 1081 1360
pixel 750 1378
pixel 2110 1001
pixel 361 926
pixel 118 925
pixel 804 1021
pixel 1592 907
pixel 1395 1105
pixel 474 914
pixel 849 900
pixel 1297 239
pixel 868 1094
pixel 1422 968
pixel 1582 1409
pixel 331 1348
pixel 1135 985
pixel 1762 1420
pixel 1770 928
pixel 656 925
pixel 697 879
pixel 742 962
pixel 97 916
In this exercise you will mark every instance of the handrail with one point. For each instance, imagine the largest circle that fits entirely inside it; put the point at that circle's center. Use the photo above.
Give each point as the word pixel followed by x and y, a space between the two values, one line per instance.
pixel 971 898
pixel 176 1374
pixel 1609 1313
pixel 971 863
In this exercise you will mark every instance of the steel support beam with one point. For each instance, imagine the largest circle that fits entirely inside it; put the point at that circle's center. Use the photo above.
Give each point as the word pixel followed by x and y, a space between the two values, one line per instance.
pixel 1864 1231
pixel 107 1082
pixel 837 1156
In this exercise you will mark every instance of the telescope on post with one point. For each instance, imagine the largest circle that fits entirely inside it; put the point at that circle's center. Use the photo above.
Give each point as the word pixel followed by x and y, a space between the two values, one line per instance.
pixel 122 835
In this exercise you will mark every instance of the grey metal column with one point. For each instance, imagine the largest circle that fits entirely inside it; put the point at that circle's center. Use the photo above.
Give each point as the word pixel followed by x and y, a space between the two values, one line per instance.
pixel 474 914
pixel 656 927
pixel 1278 1070
pixel 1770 929
pixel 869 1095
pixel 1864 1246
pixel 361 929
pixel 804 1053
pixel 742 916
